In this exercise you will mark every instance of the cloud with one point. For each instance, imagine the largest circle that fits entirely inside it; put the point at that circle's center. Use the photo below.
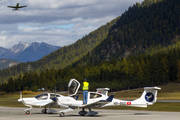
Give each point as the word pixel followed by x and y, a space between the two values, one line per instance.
pixel 56 22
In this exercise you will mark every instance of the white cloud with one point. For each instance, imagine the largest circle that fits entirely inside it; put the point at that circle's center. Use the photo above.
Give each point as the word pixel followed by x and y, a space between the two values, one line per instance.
pixel 56 22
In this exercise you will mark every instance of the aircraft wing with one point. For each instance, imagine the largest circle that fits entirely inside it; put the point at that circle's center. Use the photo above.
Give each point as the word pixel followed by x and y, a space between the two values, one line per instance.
pixel 22 6
pixel 44 103
pixel 99 103
pixel 12 6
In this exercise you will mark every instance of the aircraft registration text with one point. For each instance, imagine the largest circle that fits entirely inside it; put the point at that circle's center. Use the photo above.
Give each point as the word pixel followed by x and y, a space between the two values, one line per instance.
pixel 122 103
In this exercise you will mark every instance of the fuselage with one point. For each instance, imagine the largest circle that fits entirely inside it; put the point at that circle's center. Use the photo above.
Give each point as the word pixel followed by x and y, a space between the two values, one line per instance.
pixel 39 100
pixel 66 101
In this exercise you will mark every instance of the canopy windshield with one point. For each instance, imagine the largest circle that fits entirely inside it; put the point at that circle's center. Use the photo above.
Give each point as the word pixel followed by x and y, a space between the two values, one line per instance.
pixel 73 87
pixel 43 96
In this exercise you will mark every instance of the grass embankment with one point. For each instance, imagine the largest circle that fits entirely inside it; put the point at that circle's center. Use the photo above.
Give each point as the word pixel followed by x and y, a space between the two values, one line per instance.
pixel 167 92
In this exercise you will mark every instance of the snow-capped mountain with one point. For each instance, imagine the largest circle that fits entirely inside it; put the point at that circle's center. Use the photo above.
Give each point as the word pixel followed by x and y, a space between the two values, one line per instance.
pixel 27 52
pixel 20 47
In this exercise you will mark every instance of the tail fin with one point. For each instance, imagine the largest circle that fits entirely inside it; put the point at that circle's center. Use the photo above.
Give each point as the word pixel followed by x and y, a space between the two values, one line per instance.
pixel 149 96
pixel 103 91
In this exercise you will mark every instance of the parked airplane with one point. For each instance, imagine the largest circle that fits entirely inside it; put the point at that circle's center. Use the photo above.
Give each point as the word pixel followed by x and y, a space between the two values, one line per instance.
pixel 50 99
pixel 71 101
pixel 41 100
pixel 97 99
pixel 17 6
pixel 100 99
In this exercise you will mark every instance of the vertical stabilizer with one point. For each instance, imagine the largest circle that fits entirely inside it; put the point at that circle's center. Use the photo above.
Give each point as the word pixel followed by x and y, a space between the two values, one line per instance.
pixel 103 91
pixel 149 96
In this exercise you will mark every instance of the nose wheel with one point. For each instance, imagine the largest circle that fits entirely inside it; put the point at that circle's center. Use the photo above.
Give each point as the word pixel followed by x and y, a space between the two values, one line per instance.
pixel 27 112
pixel 61 114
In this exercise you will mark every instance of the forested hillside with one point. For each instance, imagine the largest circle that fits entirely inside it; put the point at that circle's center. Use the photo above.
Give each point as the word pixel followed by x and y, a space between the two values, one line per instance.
pixel 64 56
pixel 141 49
pixel 133 72
pixel 5 63
pixel 137 30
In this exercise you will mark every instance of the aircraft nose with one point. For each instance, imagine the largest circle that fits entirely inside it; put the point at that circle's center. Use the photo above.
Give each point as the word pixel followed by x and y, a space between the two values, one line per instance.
pixel 55 99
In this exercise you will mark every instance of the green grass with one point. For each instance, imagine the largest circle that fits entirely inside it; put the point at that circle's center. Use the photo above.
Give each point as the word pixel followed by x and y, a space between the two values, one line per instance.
pixel 11 104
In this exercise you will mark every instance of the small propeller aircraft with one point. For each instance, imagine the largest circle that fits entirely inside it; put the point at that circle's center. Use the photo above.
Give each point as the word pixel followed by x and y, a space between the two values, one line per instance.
pixel 71 101
pixel 53 99
pixel 100 99
pixel 17 6
pixel 97 99
pixel 41 100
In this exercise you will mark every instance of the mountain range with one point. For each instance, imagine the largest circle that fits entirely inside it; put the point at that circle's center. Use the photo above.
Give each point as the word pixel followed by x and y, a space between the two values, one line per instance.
pixel 25 52
pixel 116 53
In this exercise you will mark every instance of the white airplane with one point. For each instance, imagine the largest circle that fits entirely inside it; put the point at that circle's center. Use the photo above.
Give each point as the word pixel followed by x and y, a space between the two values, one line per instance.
pixel 17 6
pixel 41 100
pixel 100 99
pixel 49 99
pixel 97 99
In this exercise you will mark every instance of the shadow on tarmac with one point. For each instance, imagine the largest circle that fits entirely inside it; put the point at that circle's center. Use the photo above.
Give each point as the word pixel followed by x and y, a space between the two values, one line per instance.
pixel 142 114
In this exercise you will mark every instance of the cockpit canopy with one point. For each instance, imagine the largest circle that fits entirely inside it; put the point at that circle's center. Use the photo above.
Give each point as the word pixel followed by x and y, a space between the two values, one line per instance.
pixel 46 96
pixel 73 87
pixel 94 95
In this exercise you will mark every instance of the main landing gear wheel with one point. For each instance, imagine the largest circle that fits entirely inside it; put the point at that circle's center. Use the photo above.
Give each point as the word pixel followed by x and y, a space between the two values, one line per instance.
pixel 61 114
pixel 82 113
pixel 27 112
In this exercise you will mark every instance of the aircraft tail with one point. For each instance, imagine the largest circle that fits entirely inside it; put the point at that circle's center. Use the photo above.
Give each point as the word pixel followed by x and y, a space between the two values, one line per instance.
pixel 103 91
pixel 148 97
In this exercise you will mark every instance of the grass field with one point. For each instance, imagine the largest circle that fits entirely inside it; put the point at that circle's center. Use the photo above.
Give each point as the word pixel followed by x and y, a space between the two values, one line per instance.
pixel 168 92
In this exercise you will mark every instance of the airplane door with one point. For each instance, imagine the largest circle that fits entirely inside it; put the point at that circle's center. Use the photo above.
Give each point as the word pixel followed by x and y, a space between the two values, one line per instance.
pixel 73 87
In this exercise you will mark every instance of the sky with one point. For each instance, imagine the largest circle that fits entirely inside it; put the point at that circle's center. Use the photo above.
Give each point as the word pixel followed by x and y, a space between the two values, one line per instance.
pixel 56 22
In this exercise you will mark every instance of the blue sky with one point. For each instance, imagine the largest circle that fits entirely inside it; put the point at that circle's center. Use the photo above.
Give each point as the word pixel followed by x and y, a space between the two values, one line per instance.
pixel 56 22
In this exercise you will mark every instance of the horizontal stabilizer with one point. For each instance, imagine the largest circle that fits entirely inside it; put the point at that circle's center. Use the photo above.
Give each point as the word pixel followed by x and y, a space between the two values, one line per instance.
pixel 152 88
